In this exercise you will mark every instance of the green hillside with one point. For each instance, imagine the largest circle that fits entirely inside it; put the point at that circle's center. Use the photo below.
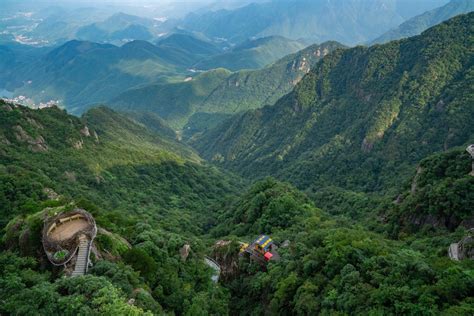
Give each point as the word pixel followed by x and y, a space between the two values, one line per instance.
pixel 351 162
pixel 252 54
pixel 155 193
pixel 83 73
pixel 419 23
pixel 173 102
pixel 185 49
pixel 332 266
pixel 210 97
pixel 360 116
pixel 440 194
pixel 147 188
pixel 93 157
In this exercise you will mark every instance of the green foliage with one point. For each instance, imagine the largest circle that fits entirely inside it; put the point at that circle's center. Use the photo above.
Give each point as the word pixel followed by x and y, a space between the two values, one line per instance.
pixel 252 54
pixel 269 206
pixel 362 118
pixel 60 255
pixel 441 193
pixel 212 96
pixel 110 243
pixel 27 292
pixel 419 23
pixel 331 270
pixel 125 177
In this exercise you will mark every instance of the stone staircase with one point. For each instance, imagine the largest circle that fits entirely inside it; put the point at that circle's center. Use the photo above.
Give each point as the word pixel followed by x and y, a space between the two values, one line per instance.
pixel 82 261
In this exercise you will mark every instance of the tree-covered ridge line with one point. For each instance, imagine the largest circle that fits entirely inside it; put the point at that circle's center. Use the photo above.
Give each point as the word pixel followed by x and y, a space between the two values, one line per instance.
pixel 360 116
pixel 79 74
pixel 139 185
pixel 98 156
pixel 371 144
pixel 419 23
pixel 332 265
pixel 207 98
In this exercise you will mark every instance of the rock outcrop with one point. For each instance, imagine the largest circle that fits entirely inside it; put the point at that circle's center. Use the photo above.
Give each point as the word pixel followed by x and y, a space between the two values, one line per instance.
pixel 463 249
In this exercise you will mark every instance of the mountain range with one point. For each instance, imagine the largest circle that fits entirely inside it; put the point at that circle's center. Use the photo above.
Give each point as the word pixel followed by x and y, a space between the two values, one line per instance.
pixel 352 163
pixel 73 71
pixel 360 115
pixel 252 54
pixel 346 21
pixel 419 23
pixel 208 98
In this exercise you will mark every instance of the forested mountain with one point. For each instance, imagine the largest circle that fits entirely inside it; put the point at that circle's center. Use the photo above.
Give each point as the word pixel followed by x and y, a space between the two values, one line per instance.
pixel 82 73
pixel 419 23
pixel 145 187
pixel 252 54
pixel 49 148
pixel 208 98
pixel 345 21
pixel 13 57
pixel 360 116
pixel 151 196
pixel 118 27
pixel 332 181
pixel 440 194
pixel 186 49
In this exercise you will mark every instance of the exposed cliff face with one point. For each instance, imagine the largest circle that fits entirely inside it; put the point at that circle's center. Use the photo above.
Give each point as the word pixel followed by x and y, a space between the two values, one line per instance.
pixel 464 249
pixel 226 254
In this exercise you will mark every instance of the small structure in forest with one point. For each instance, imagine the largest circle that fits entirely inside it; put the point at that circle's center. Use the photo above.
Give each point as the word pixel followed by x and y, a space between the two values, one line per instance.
pixel 261 249
pixel 67 240
pixel 211 263
pixel 470 150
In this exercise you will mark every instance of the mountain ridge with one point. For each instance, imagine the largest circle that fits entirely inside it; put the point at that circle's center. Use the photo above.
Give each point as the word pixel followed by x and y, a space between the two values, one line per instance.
pixel 351 106
pixel 418 24
pixel 222 92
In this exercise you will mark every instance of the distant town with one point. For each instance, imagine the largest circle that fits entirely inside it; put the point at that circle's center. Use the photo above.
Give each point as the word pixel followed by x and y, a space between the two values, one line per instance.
pixel 23 100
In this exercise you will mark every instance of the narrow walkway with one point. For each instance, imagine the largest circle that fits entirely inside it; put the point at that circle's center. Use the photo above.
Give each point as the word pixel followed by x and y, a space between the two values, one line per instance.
pixel 215 266
pixel 82 261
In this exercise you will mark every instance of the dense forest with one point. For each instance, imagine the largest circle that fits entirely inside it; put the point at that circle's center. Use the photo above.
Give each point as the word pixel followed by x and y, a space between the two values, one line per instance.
pixel 360 115
pixel 360 175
